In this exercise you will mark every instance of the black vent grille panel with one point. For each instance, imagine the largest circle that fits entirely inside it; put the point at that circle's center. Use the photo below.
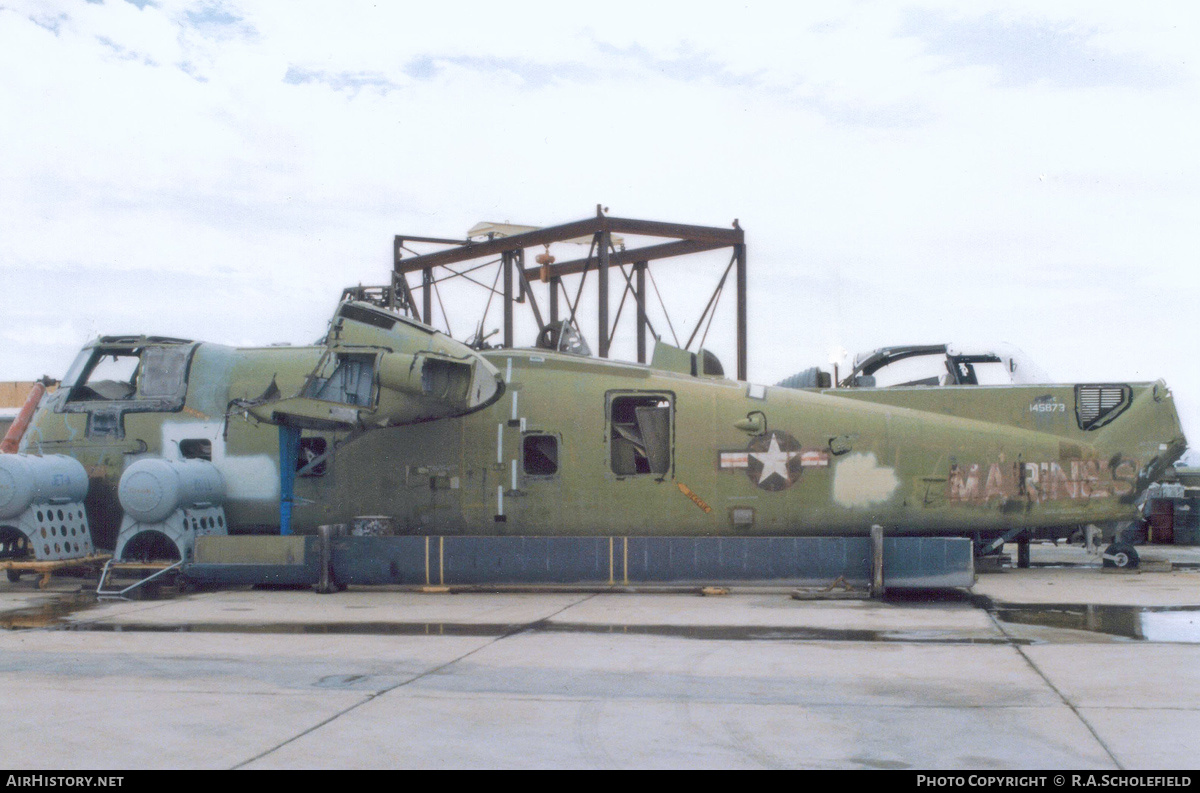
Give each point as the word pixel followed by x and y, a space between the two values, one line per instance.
pixel 1097 405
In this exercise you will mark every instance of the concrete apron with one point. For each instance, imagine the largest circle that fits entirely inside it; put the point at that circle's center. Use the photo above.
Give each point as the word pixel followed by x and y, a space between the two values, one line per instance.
pixel 390 678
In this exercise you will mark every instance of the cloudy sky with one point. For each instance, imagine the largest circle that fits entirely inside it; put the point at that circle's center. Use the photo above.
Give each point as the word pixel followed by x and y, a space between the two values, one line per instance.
pixel 1021 172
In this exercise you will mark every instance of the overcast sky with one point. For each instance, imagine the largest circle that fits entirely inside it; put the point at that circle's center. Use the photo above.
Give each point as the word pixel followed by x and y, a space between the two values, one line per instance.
pixel 905 172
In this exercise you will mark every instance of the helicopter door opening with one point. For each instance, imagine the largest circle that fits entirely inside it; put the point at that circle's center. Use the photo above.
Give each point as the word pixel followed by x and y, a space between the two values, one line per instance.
pixel 640 434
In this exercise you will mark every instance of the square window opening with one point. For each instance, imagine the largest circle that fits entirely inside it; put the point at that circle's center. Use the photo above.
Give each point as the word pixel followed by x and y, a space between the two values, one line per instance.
pixel 541 455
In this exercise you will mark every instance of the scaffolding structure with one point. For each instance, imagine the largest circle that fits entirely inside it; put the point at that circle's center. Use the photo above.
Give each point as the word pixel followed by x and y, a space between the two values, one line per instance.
pixel 516 275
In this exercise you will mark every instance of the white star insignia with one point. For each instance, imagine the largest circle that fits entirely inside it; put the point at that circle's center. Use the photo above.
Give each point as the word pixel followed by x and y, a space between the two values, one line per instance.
pixel 774 461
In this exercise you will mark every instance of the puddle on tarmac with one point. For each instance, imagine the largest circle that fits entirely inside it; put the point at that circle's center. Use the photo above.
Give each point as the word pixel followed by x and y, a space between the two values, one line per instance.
pixel 48 614
pixel 702 632
pixel 52 615
pixel 771 633
pixel 333 628
pixel 1167 624
pixel 1178 625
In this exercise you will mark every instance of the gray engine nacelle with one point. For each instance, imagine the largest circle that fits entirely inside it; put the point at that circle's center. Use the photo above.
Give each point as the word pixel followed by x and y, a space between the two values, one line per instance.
pixel 171 501
pixel 41 508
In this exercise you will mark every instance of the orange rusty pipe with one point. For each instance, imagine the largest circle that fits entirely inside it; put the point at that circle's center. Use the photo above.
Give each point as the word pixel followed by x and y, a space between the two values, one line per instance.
pixel 12 438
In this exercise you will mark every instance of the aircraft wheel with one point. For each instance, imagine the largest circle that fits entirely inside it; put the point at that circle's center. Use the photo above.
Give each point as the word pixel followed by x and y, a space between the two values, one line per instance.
pixel 1121 555
pixel 13 575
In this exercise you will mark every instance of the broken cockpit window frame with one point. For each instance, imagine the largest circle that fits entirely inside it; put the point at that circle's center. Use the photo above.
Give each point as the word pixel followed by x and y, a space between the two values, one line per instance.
pixel 128 374
pixel 639 433
pixel 109 377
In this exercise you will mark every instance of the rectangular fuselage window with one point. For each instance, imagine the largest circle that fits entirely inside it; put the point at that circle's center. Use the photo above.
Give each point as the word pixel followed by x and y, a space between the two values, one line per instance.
pixel 639 436
pixel 540 453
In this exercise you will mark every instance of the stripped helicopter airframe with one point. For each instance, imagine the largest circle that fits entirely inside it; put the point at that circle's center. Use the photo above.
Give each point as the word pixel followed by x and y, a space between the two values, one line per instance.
pixel 389 417
pixel 393 418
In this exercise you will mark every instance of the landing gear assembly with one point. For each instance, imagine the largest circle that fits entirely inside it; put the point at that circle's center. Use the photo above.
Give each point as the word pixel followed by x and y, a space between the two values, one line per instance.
pixel 1121 555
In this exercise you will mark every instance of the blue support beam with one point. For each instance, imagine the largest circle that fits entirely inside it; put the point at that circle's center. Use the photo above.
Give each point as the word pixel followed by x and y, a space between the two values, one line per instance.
pixel 289 449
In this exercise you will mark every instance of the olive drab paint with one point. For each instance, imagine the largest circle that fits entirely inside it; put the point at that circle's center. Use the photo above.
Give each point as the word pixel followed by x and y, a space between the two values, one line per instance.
pixel 397 420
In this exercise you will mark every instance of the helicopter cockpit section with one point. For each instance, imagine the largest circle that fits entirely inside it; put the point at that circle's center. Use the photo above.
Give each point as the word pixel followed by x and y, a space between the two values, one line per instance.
pixel 116 375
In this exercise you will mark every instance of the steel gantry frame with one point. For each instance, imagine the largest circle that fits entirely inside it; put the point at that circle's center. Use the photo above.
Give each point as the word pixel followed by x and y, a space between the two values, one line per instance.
pixel 602 256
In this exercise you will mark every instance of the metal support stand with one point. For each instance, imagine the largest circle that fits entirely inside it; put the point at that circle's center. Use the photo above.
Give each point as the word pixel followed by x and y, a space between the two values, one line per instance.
pixel 605 334
pixel 326 534
pixel 507 264
pixel 877 586
pixel 739 252
pixel 998 543
pixel 289 447
pixel 639 270
pixel 427 294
